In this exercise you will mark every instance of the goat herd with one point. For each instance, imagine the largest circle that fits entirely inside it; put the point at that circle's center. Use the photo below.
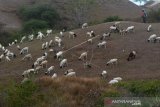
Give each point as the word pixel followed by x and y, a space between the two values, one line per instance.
pixel 41 62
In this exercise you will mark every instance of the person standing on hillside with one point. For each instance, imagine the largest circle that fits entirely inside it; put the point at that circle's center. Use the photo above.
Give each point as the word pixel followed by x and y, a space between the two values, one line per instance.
pixel 144 16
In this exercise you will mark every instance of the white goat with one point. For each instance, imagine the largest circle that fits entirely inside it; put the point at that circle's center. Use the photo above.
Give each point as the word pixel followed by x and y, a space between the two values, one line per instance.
pixel 31 37
pixel 59 55
pixel 70 73
pixel 49 70
pixel 103 43
pixel 111 82
pixel 149 28
pixel 22 39
pixel 7 59
pixel 83 56
pixel 44 64
pixel 91 34
pixel 84 25
pixel 24 50
pixel 105 35
pixel 28 57
pixel 152 38
pixel 54 75
pixel 27 73
pixel 40 35
pixel 72 34
pixel 130 29
pixel 158 39
pixel 49 32
pixel 112 61
pixel 18 47
pixel 63 63
pixel 104 74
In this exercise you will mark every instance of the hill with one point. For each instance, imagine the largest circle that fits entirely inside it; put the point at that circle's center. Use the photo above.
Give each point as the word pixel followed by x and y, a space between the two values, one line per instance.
pixel 98 12
pixel 145 66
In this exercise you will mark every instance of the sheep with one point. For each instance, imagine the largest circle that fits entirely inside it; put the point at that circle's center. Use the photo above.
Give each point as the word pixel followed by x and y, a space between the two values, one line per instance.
pixel 7 59
pixel 15 41
pixel 112 61
pixel 149 28
pixel 28 57
pixel 91 34
pixel 122 32
pixel 157 39
pixel 24 80
pixel 43 46
pixel 40 59
pixel 152 38
pixel 30 37
pixel 50 50
pixel 49 32
pixel 90 41
pixel 54 76
pixel 44 64
pixel 103 74
pixel 50 43
pixel 103 43
pixel 118 78
pixel 59 55
pixel 24 50
pixel 23 38
pixel 132 55
pixel 37 69
pixel 114 29
pixel 18 47
pixel 27 73
pixel 87 64
pixel 63 63
pixel 83 56
pixel 117 24
pixel 70 73
pixel 40 35
pixel 61 34
pixel 105 35
pixel 46 45
pixel 1 57
pixel 111 82
pixel 84 25
pixel 49 70
pixel 35 64
pixel 58 41
pixel 130 29
pixel 72 34
pixel 11 55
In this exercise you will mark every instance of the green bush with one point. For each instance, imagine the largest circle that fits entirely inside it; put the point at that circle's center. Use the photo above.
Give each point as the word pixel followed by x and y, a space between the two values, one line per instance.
pixel 38 17
pixel 142 88
pixel 21 95
pixel 107 93
pixel 33 25
pixel 113 18
pixel 154 16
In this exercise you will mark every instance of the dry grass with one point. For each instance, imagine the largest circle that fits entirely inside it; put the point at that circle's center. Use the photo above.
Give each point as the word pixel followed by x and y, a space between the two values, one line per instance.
pixel 77 91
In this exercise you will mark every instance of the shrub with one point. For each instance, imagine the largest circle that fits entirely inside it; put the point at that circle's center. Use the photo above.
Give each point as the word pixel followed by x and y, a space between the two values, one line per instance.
pixel 142 88
pixel 113 18
pixel 38 17
pixel 34 24
pixel 21 95
pixel 154 16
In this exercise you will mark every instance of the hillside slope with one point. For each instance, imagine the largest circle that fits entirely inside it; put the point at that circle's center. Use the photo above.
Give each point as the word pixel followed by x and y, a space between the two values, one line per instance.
pixel 145 66
pixel 103 8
